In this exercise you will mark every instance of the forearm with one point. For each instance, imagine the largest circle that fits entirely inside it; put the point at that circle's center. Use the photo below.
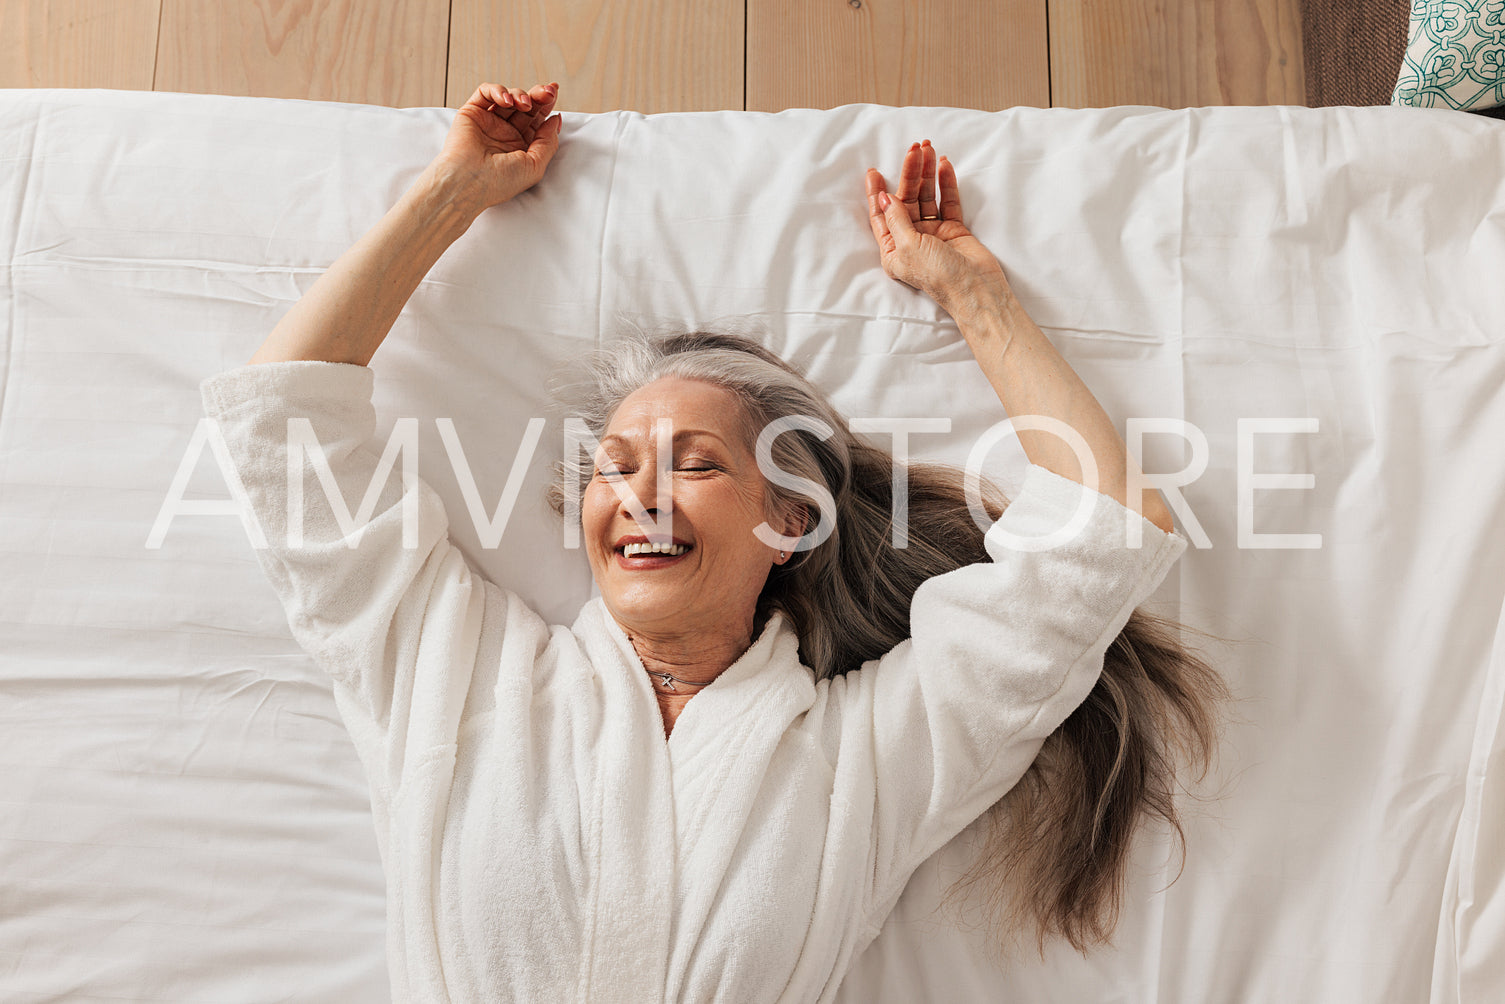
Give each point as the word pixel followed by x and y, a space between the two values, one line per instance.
pixel 1031 378
pixel 347 313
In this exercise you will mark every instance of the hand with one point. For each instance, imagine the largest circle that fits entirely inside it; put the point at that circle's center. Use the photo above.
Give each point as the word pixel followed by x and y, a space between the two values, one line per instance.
pixel 501 142
pixel 939 256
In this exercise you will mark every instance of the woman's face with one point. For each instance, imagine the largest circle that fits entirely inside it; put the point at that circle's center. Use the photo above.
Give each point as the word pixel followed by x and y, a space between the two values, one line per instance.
pixel 716 498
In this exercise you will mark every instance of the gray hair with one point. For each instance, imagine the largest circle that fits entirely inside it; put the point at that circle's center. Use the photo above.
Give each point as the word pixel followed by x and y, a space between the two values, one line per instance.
pixel 1057 850
pixel 847 598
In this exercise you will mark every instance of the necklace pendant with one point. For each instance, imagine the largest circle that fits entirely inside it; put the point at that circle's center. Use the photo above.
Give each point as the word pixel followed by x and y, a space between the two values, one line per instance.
pixel 668 682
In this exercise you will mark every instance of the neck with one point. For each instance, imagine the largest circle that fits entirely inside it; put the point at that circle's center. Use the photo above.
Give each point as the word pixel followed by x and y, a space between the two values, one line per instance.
pixel 694 660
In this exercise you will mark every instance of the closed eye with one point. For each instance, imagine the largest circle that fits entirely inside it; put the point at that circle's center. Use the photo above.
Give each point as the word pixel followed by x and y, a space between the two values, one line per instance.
pixel 698 467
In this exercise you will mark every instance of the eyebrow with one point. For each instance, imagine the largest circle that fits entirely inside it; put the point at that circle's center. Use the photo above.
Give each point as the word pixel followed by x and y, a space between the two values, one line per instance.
pixel 679 435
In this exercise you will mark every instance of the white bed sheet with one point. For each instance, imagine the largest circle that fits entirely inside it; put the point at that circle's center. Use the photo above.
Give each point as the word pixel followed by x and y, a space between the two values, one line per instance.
pixel 184 818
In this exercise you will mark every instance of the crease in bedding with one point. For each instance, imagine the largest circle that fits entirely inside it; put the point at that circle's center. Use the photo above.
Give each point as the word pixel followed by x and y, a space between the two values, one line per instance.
pixel 1203 264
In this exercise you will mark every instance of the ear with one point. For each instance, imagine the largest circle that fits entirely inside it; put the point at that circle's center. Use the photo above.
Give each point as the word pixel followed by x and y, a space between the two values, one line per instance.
pixel 796 523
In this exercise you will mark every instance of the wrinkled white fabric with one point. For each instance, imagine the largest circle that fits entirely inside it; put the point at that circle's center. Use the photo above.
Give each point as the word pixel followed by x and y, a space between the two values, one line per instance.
pixel 541 838
pixel 186 818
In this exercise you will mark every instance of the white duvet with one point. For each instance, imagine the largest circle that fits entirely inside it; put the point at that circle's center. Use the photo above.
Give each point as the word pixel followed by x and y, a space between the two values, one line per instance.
pixel 1311 299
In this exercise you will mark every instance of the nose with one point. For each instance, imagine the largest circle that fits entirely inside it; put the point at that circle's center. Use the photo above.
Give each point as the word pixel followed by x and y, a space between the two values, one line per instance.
pixel 643 484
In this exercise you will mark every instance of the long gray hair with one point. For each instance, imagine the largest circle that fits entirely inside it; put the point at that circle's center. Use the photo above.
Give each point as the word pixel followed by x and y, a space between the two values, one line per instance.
pixel 1057 853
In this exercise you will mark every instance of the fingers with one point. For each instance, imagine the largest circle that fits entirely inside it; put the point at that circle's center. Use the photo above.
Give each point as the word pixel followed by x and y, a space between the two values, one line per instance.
pixel 917 181
pixel 875 218
pixel 534 98
pixel 951 196
pixel 536 102
pixel 896 215
pixel 546 142
pixel 927 180
pixel 888 216
pixel 541 97
pixel 483 98
pixel 910 176
pixel 501 98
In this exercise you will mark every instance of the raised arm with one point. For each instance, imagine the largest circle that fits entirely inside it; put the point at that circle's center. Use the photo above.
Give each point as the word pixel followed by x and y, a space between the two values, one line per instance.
pixel 500 144
pixel 371 584
pixel 924 243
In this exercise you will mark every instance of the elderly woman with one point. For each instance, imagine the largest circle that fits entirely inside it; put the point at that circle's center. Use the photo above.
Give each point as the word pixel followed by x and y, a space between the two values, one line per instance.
pixel 715 784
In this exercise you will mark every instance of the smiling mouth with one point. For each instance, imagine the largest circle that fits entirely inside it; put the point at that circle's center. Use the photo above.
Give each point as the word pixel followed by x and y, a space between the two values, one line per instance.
pixel 652 550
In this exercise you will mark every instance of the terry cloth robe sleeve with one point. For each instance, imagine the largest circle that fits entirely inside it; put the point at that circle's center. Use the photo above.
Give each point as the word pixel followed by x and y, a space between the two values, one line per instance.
pixel 520 811
pixel 368 605
pixel 1000 654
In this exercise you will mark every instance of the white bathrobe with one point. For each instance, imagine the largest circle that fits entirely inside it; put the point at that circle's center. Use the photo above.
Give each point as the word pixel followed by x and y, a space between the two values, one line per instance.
pixel 544 842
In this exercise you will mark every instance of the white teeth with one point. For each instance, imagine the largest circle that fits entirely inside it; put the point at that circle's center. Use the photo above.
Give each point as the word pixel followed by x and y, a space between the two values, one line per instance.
pixel 669 549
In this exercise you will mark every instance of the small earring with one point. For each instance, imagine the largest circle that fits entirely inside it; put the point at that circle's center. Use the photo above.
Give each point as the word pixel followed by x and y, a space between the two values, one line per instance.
pixel 781 555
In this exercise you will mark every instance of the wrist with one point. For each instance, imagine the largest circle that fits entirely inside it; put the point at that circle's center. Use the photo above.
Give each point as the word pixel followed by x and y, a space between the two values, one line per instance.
pixel 982 309
pixel 450 195
pixel 977 301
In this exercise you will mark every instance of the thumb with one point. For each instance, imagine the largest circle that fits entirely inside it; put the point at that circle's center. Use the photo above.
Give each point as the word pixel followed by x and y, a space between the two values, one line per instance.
pixel 546 141
pixel 897 216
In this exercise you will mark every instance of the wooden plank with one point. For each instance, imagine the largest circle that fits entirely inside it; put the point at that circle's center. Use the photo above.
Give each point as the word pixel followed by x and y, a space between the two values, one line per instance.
pixel 78 43
pixel 1175 53
pixel 381 52
pixel 962 53
pixel 647 55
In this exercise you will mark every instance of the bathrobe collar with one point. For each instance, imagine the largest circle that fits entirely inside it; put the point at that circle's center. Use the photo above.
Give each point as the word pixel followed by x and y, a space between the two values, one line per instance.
pixel 767 680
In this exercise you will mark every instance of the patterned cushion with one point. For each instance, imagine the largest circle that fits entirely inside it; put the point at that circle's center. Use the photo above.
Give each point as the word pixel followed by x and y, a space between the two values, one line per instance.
pixel 1455 57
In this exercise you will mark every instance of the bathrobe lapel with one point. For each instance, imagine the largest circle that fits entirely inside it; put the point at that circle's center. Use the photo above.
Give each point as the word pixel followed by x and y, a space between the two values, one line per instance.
pixel 628 920
pixel 719 755
pixel 673 812
pixel 726 735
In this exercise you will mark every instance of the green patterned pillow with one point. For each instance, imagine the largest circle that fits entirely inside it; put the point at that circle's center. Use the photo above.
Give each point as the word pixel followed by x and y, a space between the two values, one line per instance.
pixel 1455 57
